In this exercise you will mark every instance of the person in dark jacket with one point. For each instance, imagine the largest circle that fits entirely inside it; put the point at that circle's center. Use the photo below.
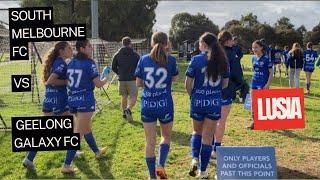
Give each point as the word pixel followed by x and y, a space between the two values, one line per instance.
pixel 295 62
pixel 124 63
pixel 242 85
pixel 196 49
pixel 228 93
pixel 237 48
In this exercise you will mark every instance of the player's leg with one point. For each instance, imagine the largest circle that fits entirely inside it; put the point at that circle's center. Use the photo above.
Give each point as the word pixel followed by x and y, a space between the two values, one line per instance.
pixel 297 77
pixel 279 66
pixel 150 135
pixel 308 79
pixel 220 129
pixel 195 143
pixel 292 77
pixel 208 128
pixel 84 128
pixel 28 160
pixel 164 147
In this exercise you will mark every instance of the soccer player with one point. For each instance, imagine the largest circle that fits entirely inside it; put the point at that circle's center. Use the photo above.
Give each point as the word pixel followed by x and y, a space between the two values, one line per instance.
pixel 262 69
pixel 54 74
pixel 83 77
pixel 155 73
pixel 309 58
pixel 206 76
pixel 225 39
pixel 278 60
pixel 286 57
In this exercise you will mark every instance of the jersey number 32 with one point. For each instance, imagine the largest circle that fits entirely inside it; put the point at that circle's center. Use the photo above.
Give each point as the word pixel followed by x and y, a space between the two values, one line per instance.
pixel 150 81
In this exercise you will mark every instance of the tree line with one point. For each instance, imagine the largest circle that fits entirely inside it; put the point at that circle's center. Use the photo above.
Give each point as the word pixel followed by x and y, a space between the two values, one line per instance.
pixel 185 26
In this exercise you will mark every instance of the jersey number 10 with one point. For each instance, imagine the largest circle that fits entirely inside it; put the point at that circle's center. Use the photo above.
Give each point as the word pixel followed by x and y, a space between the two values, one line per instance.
pixel 206 80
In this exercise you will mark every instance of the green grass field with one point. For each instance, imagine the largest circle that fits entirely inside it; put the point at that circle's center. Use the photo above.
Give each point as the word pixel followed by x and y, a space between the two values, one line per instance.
pixel 297 151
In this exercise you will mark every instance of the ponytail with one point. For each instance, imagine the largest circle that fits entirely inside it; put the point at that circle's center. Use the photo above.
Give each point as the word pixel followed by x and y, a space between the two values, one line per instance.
pixel 217 59
pixel 158 52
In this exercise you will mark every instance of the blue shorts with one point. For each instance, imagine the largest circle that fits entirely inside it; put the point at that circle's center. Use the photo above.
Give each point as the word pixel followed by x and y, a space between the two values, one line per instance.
pixel 56 103
pixel 82 103
pixel 308 70
pixel 226 102
pixel 153 116
pixel 201 116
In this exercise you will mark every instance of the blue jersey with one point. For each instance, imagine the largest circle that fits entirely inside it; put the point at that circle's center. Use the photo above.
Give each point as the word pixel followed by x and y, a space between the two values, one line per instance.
pixel 261 68
pixel 309 57
pixel 206 95
pixel 286 56
pixel 80 75
pixel 269 51
pixel 55 99
pixel 277 56
pixel 156 99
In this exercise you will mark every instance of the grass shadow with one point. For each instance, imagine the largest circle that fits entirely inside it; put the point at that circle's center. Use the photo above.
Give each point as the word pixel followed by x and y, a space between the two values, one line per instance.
pixel 286 173
pixel 176 137
pixel 291 134
pixel 106 163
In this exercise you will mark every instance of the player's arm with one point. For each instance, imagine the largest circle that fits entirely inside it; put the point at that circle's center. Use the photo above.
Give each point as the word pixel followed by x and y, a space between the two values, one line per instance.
pixel 188 84
pixel 53 80
pixel 100 83
pixel 269 79
pixel 139 82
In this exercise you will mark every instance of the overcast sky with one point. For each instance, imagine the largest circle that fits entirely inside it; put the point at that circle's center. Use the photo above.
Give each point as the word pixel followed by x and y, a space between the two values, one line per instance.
pixel 299 12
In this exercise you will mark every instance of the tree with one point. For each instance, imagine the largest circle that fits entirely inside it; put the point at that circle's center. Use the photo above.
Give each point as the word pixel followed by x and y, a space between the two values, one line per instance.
pixel 286 34
pixel 315 34
pixel 267 32
pixel 230 23
pixel 116 18
pixel 249 20
pixel 284 23
pixel 190 27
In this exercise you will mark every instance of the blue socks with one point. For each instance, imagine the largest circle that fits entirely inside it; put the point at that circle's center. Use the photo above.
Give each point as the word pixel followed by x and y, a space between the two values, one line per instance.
pixel 91 142
pixel 163 153
pixel 151 163
pixel 31 155
pixel 69 157
pixel 195 145
pixel 205 156
pixel 216 144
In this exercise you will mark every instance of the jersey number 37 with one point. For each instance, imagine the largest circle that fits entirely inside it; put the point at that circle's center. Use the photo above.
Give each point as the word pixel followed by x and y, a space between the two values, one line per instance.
pixel 74 74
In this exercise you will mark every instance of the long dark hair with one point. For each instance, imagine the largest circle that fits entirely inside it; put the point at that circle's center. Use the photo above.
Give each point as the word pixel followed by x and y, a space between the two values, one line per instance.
pixel 49 58
pixel 217 59
pixel 81 44
pixel 296 50
pixel 224 36
pixel 159 42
